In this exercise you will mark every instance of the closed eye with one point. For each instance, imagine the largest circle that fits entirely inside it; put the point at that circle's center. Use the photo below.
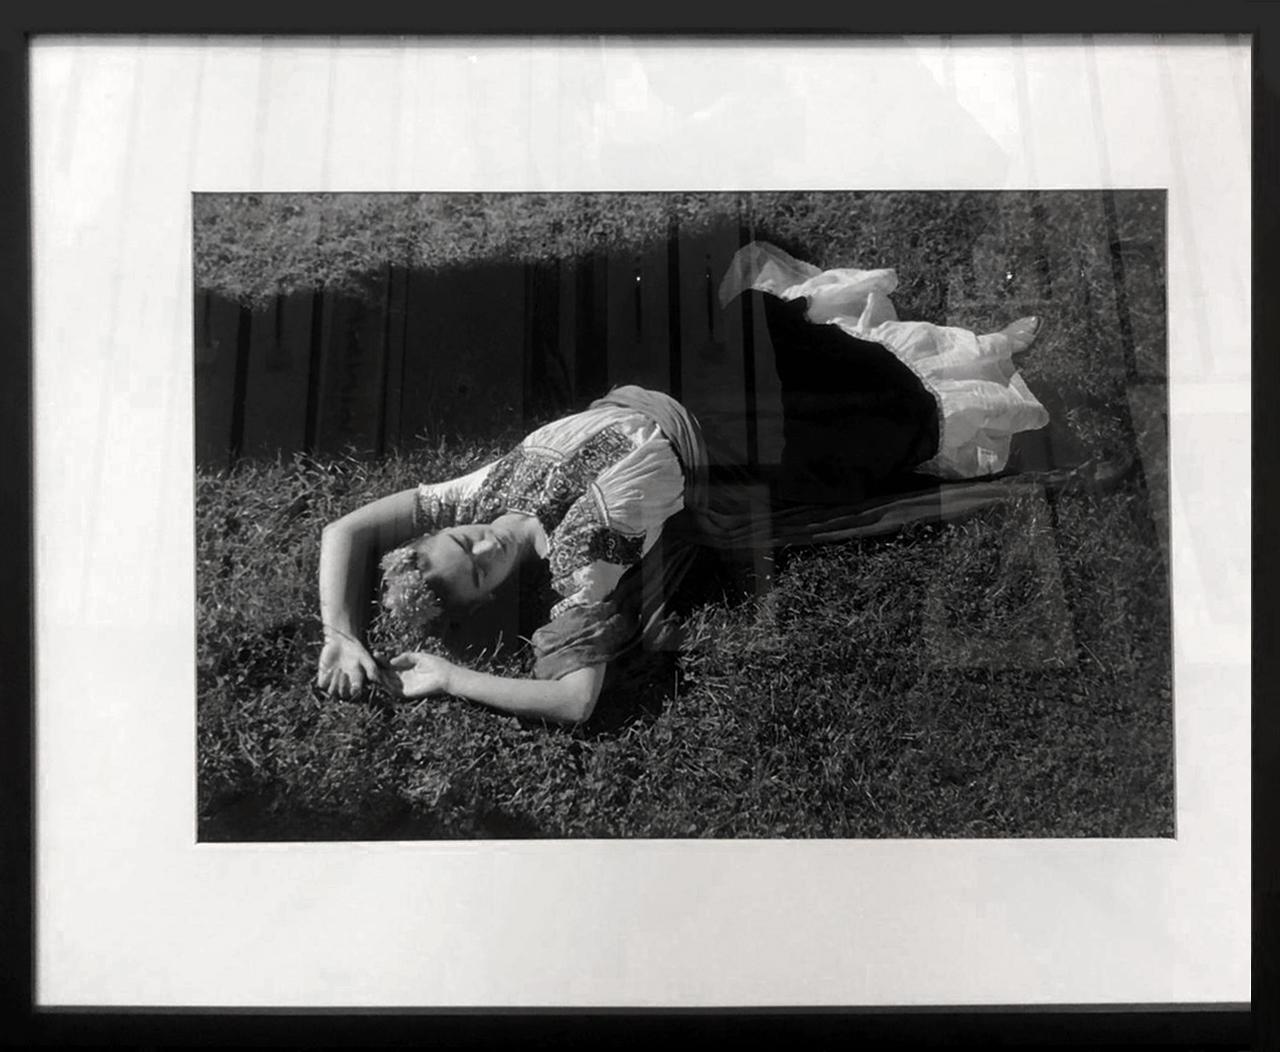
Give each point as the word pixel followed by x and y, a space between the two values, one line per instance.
pixel 475 568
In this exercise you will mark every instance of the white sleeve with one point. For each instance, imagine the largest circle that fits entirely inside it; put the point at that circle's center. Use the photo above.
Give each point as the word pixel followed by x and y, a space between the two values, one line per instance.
pixel 448 503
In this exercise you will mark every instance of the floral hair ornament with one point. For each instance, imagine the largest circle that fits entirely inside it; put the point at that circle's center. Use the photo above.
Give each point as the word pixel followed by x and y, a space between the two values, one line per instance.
pixel 407 594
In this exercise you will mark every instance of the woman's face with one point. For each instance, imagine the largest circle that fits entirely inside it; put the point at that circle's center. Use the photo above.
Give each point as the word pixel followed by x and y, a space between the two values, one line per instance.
pixel 467 563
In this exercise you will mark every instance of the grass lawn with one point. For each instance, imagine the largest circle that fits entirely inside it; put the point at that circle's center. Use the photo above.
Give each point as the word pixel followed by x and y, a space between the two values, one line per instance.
pixel 1005 675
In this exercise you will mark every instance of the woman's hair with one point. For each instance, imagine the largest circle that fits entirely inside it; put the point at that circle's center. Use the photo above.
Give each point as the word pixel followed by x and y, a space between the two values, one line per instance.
pixel 407 594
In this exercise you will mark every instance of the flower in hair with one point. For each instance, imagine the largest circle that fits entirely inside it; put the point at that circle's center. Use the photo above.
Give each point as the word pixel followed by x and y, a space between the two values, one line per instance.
pixel 407 594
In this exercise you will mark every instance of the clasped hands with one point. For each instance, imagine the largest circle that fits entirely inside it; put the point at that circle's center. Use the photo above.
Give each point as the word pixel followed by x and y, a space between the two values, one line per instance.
pixel 347 669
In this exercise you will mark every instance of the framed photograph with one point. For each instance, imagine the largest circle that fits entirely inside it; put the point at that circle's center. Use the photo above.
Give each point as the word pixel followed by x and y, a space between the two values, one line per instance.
pixel 618 522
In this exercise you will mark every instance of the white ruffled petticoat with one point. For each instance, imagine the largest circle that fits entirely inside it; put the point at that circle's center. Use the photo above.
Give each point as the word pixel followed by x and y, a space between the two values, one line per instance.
pixel 982 401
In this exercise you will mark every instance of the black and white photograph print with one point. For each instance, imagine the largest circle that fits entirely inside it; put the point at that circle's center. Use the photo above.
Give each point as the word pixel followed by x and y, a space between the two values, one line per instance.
pixel 682 515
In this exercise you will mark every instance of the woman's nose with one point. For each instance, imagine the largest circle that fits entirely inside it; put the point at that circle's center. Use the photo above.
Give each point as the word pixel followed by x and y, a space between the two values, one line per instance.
pixel 482 546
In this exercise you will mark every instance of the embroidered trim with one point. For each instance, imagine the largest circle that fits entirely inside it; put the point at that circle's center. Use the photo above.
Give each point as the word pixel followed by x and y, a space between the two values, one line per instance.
pixel 609 546
pixel 435 512
pixel 564 606
pixel 534 480
pixel 569 480
pixel 584 537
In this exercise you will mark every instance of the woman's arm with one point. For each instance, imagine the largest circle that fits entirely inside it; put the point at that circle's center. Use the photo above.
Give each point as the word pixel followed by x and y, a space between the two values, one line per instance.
pixel 348 548
pixel 569 699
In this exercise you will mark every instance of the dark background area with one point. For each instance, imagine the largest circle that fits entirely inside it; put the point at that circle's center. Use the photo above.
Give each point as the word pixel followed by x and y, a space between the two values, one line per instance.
pixel 537 304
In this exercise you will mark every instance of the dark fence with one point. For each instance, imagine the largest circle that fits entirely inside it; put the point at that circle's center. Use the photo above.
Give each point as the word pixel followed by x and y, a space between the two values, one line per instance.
pixel 471 351
pixel 466 351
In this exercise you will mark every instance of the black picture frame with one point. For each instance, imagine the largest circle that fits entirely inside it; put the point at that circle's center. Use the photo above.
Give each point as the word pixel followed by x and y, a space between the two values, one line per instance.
pixel 1184 1026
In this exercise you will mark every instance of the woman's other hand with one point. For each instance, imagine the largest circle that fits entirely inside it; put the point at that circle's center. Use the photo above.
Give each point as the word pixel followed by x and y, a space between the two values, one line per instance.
pixel 422 674
pixel 346 668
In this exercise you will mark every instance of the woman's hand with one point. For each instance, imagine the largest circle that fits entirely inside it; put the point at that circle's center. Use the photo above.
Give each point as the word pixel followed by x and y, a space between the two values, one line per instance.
pixel 346 668
pixel 422 674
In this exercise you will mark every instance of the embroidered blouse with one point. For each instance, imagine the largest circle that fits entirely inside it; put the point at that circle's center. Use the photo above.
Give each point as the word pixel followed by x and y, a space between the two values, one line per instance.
pixel 601 484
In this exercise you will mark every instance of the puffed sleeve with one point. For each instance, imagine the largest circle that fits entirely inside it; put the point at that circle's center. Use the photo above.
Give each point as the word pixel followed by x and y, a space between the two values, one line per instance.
pixel 588 558
pixel 455 502
pixel 582 636
pixel 605 534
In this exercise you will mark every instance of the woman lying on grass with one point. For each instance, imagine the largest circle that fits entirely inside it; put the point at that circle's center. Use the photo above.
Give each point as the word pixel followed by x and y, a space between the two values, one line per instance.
pixel 866 399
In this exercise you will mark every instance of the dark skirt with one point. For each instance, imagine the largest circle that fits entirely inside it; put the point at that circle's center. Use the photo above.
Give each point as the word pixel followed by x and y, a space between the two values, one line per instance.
pixel 855 418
